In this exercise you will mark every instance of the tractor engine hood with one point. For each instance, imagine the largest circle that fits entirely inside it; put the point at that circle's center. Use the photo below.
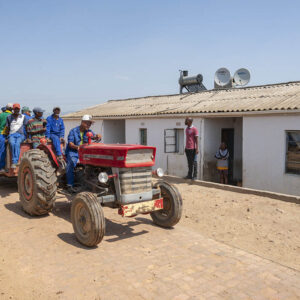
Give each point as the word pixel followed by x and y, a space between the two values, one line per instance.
pixel 117 155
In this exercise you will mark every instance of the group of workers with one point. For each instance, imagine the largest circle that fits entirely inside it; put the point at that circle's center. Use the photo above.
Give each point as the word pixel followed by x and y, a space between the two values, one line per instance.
pixel 18 125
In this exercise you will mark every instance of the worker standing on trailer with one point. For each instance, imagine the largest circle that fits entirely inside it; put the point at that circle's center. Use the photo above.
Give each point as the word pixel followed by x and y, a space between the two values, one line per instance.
pixel 3 117
pixel 36 127
pixel 77 137
pixel 56 131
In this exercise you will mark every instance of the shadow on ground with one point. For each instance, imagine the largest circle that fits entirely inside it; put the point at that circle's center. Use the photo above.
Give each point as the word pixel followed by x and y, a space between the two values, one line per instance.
pixel 118 231
pixel 123 231
pixel 70 238
pixel 8 186
pixel 114 231
pixel 17 209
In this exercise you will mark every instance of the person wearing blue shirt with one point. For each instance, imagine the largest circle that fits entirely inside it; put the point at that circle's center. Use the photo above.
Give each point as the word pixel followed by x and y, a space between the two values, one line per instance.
pixel 55 130
pixel 27 113
pixel 77 137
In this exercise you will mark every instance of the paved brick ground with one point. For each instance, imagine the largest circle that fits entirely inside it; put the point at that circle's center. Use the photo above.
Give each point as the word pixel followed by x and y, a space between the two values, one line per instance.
pixel 136 260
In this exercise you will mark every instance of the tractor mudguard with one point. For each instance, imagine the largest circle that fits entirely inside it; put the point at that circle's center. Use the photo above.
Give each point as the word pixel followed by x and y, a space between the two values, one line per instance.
pixel 48 150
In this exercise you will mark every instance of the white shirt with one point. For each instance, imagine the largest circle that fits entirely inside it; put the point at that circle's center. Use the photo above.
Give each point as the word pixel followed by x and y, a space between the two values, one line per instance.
pixel 16 124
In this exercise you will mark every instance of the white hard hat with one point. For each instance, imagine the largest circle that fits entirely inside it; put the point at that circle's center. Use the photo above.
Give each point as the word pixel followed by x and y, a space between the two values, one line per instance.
pixel 87 118
pixel 9 105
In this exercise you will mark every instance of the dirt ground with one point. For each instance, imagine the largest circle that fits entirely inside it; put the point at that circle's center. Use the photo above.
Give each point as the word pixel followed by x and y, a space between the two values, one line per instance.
pixel 41 259
pixel 267 227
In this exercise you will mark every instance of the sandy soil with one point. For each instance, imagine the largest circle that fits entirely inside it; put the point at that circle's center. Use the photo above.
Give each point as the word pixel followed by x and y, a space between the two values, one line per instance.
pixel 267 227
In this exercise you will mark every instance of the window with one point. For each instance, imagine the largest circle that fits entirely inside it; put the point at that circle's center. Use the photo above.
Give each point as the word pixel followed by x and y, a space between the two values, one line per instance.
pixel 292 162
pixel 174 141
pixel 143 136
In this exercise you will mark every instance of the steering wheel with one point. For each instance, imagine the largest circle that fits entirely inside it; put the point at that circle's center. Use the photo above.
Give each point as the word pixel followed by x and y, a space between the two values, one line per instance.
pixel 96 140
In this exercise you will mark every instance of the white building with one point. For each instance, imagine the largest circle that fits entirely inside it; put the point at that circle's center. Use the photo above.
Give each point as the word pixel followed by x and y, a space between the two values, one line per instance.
pixel 260 124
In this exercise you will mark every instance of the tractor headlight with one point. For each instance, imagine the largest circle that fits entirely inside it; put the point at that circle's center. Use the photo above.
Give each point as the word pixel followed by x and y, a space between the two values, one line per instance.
pixel 103 177
pixel 160 172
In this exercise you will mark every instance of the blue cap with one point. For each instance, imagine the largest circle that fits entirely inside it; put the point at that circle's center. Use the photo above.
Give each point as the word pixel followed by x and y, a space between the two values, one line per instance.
pixel 38 110
pixel 3 108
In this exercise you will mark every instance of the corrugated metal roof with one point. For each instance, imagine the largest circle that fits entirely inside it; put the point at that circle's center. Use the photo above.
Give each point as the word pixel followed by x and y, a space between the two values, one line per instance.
pixel 268 98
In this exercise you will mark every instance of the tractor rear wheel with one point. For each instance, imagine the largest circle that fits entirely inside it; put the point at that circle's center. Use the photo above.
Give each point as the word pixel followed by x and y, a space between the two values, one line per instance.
pixel 36 183
pixel 88 219
pixel 172 206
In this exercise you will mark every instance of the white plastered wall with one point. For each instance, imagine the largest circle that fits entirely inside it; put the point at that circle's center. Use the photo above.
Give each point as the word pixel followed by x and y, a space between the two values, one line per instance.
pixel 172 163
pixel 114 131
pixel 97 127
pixel 264 150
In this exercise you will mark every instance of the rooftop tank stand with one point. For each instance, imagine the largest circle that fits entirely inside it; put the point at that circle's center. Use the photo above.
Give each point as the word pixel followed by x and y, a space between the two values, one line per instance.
pixel 192 84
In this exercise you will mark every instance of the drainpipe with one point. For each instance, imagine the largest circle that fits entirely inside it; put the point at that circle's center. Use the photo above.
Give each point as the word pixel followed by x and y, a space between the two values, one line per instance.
pixel 201 149
pixel 168 164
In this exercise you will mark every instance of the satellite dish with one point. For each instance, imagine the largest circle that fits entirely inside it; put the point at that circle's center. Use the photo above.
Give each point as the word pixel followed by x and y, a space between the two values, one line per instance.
pixel 222 77
pixel 241 77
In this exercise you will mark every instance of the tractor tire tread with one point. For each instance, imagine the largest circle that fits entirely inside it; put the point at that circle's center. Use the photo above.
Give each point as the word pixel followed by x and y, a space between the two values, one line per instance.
pixel 44 181
pixel 97 218
pixel 176 210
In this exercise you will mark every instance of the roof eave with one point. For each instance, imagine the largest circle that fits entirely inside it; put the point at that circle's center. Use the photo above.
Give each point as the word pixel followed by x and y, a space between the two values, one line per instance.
pixel 195 114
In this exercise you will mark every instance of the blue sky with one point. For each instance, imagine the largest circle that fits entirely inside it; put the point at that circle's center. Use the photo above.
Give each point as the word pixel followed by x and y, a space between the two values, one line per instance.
pixel 80 53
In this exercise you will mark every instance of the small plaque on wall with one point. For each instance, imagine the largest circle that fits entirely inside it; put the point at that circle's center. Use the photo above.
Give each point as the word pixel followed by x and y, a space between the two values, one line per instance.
pixel 178 124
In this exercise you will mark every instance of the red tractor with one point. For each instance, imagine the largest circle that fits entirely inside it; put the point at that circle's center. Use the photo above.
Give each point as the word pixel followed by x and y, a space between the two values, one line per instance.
pixel 114 175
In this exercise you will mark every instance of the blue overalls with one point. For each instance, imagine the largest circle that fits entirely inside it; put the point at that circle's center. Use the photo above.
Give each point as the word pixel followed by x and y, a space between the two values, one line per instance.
pixel 55 130
pixel 72 154
pixel 2 151
pixel 17 137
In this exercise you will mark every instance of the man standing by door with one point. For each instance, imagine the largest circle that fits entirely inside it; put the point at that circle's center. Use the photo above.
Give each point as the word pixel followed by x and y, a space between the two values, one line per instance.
pixel 191 148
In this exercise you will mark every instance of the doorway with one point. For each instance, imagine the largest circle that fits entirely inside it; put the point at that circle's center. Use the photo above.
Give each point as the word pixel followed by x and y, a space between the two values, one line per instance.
pixel 227 136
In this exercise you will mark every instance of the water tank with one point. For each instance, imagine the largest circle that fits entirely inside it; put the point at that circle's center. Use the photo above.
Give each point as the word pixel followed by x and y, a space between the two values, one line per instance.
pixel 185 81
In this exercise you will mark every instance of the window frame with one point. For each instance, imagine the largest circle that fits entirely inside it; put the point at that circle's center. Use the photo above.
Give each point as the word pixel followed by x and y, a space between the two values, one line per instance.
pixel 145 136
pixel 177 140
pixel 289 172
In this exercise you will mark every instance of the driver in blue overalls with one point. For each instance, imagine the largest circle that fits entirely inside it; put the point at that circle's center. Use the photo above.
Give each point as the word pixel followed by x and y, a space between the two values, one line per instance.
pixel 77 137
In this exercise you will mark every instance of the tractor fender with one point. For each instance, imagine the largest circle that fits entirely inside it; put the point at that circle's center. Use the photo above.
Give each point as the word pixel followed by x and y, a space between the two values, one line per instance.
pixel 47 149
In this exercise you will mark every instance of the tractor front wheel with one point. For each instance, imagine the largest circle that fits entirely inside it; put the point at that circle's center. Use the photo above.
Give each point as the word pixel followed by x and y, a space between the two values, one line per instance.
pixel 172 206
pixel 36 183
pixel 88 219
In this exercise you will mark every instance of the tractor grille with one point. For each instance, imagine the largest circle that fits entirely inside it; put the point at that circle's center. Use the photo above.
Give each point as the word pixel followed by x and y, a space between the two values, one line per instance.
pixel 139 156
pixel 135 180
